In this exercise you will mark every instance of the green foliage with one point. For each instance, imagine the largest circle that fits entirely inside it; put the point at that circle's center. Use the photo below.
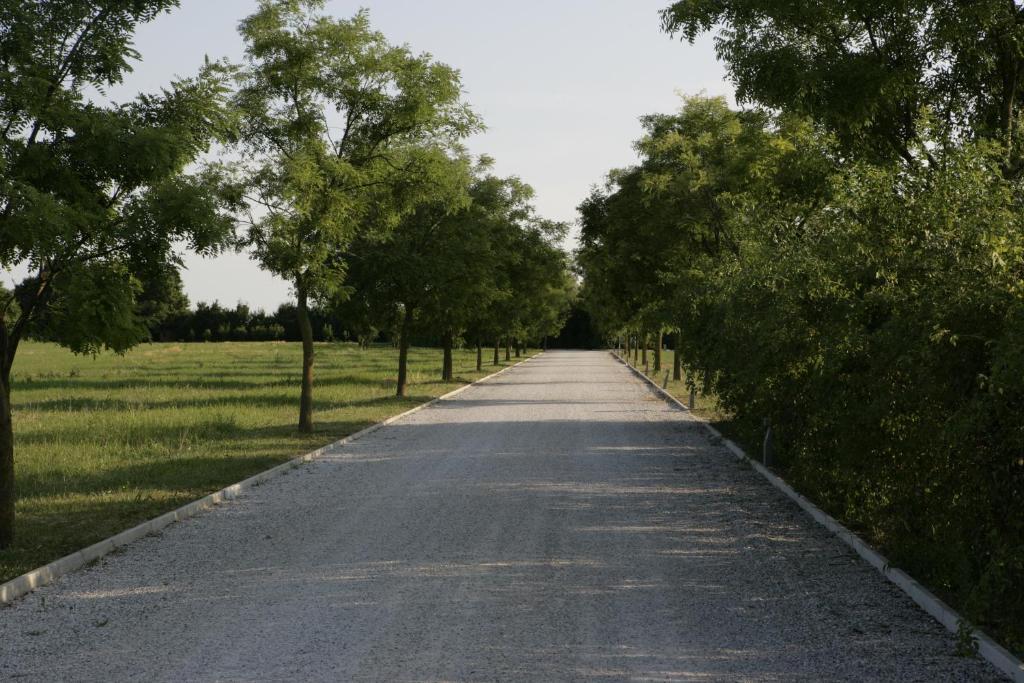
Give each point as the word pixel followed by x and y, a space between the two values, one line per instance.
pixel 474 260
pixel 865 69
pixel 429 260
pixel 331 115
pixel 878 321
pixel 966 641
pixel 340 133
pixel 540 285
pixel 90 193
pixel 95 308
pixel 9 306
pixel 162 301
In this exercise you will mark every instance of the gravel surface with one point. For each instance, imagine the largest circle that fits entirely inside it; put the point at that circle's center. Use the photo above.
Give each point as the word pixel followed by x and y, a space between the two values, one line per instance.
pixel 559 522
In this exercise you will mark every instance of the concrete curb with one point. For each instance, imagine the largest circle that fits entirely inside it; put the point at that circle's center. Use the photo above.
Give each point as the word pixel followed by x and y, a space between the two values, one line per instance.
pixel 28 582
pixel 989 649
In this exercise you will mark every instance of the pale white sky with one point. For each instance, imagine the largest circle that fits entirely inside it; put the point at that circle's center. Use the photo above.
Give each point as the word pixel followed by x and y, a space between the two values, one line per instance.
pixel 560 85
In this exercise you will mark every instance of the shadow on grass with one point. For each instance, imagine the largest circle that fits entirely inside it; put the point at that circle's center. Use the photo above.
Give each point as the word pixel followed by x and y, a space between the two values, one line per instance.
pixel 233 452
pixel 167 476
pixel 207 380
pixel 84 404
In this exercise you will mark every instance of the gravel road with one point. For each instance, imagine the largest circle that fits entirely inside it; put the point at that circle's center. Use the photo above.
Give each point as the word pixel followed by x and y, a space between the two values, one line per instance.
pixel 556 523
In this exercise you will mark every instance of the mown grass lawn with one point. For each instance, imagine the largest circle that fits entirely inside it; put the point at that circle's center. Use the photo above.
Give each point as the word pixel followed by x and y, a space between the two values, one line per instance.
pixel 104 443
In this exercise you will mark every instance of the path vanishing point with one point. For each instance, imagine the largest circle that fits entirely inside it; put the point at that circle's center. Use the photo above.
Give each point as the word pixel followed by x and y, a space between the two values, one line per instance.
pixel 559 522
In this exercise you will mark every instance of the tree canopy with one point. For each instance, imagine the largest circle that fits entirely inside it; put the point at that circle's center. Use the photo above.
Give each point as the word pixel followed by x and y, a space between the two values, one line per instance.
pixel 473 261
pixel 334 128
pixel 865 69
pixel 91 195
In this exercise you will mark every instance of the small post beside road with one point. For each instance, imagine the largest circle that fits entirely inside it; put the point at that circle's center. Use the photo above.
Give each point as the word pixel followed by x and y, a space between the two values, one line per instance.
pixel 693 396
pixel 664 384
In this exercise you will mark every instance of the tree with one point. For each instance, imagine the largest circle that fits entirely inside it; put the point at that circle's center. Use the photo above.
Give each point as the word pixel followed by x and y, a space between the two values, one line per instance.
pixel 161 303
pixel 464 262
pixel 416 266
pixel 865 69
pixel 90 195
pixel 537 285
pixel 653 236
pixel 332 121
pixel 541 284
pixel 443 265
pixel 499 207
pixel 361 321
pixel 12 311
pixel 467 280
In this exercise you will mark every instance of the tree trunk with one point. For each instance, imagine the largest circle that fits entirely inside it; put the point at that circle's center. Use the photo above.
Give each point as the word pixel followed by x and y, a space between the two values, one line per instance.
pixel 677 363
pixel 447 372
pixel 636 349
pixel 657 352
pixel 9 341
pixel 626 355
pixel 6 461
pixel 643 358
pixel 508 348
pixel 519 348
pixel 479 356
pixel 306 330
pixel 497 345
pixel 403 352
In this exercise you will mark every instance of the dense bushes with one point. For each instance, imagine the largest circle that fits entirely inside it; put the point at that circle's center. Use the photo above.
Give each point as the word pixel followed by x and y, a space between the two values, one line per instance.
pixel 879 339
pixel 213 322
pixel 871 312
pixel 847 263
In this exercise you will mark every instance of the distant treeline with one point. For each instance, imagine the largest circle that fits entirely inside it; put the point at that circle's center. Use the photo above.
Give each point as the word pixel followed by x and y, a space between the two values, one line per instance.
pixel 211 322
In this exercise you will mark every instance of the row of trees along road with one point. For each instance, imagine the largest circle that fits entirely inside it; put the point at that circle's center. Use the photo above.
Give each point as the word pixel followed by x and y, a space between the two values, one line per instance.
pixel 338 150
pixel 844 257
pixel 475 260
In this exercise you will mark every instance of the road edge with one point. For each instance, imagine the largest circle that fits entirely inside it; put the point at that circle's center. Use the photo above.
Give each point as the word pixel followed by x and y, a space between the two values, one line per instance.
pixel 48 573
pixel 994 653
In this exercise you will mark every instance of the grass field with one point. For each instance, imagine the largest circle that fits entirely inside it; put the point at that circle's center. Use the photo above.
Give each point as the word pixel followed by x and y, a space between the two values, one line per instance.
pixel 104 443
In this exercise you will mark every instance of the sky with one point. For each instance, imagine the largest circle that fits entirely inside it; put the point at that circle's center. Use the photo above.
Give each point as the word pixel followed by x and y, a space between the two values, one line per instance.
pixel 560 85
